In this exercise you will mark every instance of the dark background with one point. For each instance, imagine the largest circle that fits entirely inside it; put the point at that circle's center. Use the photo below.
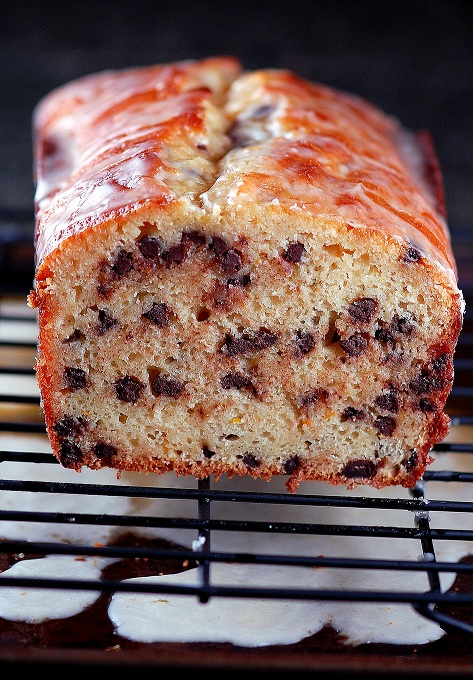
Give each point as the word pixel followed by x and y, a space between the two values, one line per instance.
pixel 413 59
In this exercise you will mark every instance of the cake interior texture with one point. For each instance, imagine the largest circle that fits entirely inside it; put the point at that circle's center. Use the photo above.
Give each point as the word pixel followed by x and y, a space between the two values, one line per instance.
pixel 240 273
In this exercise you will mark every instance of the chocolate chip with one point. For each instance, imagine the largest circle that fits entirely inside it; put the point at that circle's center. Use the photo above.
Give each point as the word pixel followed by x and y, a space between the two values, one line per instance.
pixel 150 247
pixel 420 384
pixel 264 339
pixel 129 389
pixel 354 345
pixel 175 255
pixel 387 402
pixel 362 310
pixel 69 425
pixel 164 386
pixel 70 454
pixel 383 335
pixel 403 326
pixel 397 326
pixel 305 342
pixel 385 425
pixel 412 254
pixel 427 406
pixel 75 378
pixel 106 321
pixel 425 383
pixel 194 236
pixel 411 461
pixel 240 345
pixel 207 452
pixel 158 314
pixel 434 378
pixel 361 469
pixel 105 451
pixel 313 396
pixel 291 464
pixel 218 245
pixel 246 343
pixel 65 426
pixel 235 381
pixel 230 261
pixel 240 281
pixel 251 461
pixel 103 289
pixel 351 413
pixel 440 364
pixel 123 263
pixel 294 252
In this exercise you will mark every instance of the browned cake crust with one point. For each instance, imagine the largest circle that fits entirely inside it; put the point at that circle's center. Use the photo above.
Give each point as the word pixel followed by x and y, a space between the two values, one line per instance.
pixel 240 273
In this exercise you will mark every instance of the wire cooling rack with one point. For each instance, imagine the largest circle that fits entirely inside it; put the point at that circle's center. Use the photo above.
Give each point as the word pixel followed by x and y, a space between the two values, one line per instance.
pixel 20 416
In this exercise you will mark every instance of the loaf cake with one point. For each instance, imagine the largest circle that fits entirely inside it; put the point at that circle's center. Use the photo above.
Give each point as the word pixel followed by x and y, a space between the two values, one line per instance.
pixel 240 273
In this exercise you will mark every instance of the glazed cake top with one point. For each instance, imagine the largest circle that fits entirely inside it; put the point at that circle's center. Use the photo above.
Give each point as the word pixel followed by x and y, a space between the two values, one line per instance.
pixel 208 137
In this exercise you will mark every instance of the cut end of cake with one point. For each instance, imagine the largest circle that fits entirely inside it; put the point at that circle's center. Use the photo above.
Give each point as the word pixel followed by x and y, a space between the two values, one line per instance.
pixel 218 349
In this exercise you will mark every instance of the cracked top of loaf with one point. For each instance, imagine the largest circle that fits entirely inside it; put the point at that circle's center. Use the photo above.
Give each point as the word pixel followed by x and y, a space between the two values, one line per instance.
pixel 208 137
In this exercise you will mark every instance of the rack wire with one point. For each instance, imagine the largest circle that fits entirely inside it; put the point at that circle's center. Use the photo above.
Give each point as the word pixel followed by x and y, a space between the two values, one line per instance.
pixel 20 415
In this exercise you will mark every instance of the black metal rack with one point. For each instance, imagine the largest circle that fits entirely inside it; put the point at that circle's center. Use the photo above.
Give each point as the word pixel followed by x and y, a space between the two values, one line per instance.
pixel 419 505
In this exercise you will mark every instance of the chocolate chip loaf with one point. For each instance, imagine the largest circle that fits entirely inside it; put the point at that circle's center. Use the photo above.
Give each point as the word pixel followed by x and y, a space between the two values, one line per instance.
pixel 240 273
